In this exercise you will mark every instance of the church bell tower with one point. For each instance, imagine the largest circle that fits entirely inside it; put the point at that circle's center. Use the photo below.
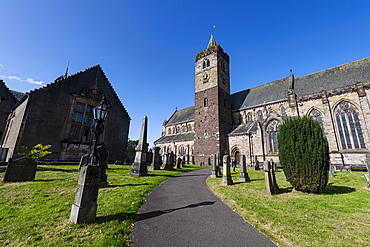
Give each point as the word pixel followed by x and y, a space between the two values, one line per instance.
pixel 212 107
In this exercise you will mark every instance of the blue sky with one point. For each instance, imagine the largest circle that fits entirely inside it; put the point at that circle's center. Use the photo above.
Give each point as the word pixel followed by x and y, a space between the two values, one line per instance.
pixel 147 48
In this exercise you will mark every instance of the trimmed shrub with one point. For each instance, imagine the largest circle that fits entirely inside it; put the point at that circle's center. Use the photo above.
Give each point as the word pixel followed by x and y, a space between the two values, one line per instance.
pixel 304 154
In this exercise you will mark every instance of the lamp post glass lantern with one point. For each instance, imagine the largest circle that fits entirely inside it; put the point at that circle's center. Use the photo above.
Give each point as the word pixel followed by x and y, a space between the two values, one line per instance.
pixel 100 114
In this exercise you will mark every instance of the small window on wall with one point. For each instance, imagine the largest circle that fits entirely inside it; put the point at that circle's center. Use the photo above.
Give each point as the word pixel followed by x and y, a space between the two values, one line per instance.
pixel 169 131
pixel 260 115
pixel 316 115
pixel 249 117
pixel 282 109
pixel 189 128
pixel 82 121
pixel 205 102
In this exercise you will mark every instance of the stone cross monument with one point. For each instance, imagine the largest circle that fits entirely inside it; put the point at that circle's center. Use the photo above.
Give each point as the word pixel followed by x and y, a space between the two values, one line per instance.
pixel 139 167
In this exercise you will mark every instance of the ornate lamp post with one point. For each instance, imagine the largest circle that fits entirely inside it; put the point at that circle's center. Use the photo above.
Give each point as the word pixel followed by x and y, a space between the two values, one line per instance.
pixel 85 204
pixel 100 114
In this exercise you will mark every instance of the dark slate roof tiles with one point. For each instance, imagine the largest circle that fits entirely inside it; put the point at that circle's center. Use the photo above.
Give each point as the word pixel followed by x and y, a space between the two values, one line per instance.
pixel 188 136
pixel 242 129
pixel 181 116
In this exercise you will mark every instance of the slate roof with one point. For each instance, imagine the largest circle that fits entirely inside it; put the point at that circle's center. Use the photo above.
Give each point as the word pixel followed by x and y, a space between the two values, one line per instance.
pixel 242 129
pixel 336 77
pixel 181 116
pixel 188 136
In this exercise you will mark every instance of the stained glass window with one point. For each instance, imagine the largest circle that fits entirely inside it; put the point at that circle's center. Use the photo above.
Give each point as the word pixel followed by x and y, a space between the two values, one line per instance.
pixel 272 132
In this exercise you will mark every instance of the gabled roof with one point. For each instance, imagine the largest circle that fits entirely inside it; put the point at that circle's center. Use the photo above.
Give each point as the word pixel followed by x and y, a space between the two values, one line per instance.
pixel 242 129
pixel 336 77
pixel 3 85
pixel 181 116
pixel 187 136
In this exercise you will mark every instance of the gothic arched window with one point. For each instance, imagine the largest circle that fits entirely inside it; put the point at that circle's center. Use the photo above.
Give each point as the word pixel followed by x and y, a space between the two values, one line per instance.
pixel 249 117
pixel 349 126
pixel 272 132
pixel 206 63
pixel 189 128
pixel 259 115
pixel 316 115
pixel 182 150
pixel 184 129
pixel 282 109
pixel 169 131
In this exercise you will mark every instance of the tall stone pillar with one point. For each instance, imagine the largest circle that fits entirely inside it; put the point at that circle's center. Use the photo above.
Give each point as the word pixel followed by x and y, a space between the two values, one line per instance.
pixel 139 167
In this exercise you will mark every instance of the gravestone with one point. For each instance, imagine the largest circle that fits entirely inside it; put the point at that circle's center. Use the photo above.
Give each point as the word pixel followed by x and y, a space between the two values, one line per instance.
pixel 271 185
pixel 167 165
pixel 20 170
pixel 183 162
pixel 214 167
pixel 226 177
pixel 103 161
pixel 83 161
pixel 178 163
pixel 139 167
pixel 257 163
pixel 367 175
pixel 209 161
pixel 156 162
pixel 85 203
pixel 243 170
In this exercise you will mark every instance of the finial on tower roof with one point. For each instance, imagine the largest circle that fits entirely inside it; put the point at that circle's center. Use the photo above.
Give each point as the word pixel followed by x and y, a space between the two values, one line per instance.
pixel 291 80
pixel 212 40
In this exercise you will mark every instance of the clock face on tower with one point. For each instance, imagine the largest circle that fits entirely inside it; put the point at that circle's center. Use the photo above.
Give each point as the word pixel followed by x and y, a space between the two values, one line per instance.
pixel 205 77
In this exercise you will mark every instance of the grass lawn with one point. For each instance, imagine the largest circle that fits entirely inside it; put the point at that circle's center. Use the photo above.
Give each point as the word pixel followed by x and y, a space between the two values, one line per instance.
pixel 338 217
pixel 37 213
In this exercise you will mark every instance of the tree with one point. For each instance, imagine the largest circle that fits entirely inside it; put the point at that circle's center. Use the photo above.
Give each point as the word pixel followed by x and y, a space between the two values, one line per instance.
pixel 37 153
pixel 304 154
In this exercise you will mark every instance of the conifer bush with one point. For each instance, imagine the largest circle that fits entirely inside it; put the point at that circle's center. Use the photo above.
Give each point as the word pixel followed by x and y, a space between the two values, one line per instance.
pixel 304 154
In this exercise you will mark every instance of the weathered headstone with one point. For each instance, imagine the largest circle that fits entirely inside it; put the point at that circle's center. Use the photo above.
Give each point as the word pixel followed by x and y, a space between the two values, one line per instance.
pixel 156 162
pixel 167 165
pixel 178 163
pixel 139 167
pixel 243 170
pixel 20 170
pixel 226 177
pixel 183 162
pixel 270 179
pixel 85 203
pixel 103 161
pixel 257 163
pixel 214 167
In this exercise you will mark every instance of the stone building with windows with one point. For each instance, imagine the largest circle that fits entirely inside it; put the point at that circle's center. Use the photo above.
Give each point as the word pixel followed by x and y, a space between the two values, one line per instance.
pixel 247 122
pixel 60 114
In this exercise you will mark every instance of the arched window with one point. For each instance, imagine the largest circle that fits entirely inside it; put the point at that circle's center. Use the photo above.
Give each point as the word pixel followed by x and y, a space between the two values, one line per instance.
pixel 241 119
pixel 282 109
pixel 259 115
pixel 169 131
pixel 206 63
pixel 182 150
pixel 349 126
pixel 184 129
pixel 189 128
pixel 249 117
pixel 316 115
pixel 272 132
pixel 173 130
pixel 178 129
pixel 270 110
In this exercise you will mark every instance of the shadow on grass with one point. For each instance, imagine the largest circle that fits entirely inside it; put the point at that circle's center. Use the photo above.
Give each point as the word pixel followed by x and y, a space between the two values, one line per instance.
pixel 119 216
pixel 124 185
pixel 332 189
pixel 157 213
pixel 47 180
pixel 56 169
pixel 285 190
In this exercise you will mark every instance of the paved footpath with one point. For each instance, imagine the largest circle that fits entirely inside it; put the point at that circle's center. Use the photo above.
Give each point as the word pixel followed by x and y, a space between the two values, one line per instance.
pixel 183 212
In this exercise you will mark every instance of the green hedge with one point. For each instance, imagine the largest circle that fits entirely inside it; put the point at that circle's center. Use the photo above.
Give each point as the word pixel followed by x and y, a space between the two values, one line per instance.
pixel 304 154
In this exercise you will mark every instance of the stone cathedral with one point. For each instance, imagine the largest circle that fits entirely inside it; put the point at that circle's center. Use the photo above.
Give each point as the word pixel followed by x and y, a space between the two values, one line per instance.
pixel 247 122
